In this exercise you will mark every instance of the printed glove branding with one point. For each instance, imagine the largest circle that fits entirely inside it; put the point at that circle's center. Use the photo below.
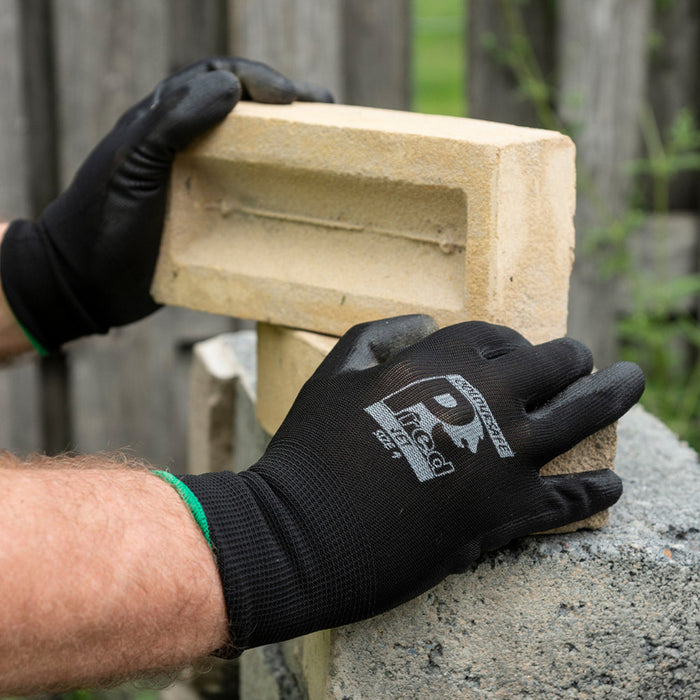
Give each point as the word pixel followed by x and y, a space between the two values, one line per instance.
pixel 428 432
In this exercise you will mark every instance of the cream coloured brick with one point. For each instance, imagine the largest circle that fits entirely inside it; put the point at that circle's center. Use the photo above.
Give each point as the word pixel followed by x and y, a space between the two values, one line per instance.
pixel 287 358
pixel 322 216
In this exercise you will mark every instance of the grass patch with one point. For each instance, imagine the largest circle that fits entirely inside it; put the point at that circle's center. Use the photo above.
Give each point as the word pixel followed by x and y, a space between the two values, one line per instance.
pixel 439 57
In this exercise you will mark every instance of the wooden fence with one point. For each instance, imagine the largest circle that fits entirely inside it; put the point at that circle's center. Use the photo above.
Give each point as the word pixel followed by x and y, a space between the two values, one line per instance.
pixel 68 68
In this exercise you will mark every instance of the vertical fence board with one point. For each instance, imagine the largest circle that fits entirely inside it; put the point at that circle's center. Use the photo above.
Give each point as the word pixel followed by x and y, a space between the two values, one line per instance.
pixel 197 30
pixel 673 82
pixel 300 38
pixel 603 49
pixel 494 92
pixel 39 103
pixel 19 383
pixel 108 55
pixel 37 59
pixel 130 388
pixel 377 53
pixel 14 197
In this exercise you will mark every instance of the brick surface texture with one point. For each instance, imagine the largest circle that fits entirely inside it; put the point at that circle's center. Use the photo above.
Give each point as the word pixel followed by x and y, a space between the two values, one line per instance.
pixel 322 216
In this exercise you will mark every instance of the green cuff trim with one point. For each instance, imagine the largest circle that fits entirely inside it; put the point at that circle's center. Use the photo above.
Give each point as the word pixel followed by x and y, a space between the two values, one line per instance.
pixel 190 500
pixel 37 345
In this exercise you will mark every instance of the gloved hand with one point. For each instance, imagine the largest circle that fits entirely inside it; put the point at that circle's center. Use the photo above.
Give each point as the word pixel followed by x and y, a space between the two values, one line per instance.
pixel 86 264
pixel 405 456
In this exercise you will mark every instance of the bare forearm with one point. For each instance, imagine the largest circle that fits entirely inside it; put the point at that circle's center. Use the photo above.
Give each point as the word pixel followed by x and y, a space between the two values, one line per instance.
pixel 13 341
pixel 105 575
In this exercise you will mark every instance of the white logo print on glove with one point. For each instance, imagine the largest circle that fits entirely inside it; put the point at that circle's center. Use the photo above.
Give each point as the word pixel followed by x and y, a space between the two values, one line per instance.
pixel 413 428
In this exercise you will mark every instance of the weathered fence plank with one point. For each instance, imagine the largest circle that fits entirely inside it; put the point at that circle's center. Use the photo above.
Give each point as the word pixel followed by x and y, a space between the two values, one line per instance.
pixel 602 81
pixel 19 384
pixel 37 56
pixel 664 248
pixel 14 196
pixel 129 389
pixel 500 83
pixel 377 53
pixel 39 104
pixel 197 30
pixel 300 38
pixel 121 54
pixel 673 83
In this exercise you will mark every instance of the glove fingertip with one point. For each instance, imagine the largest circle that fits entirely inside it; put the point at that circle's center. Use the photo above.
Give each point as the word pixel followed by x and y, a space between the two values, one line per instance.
pixel 634 379
pixel 310 92
pixel 220 89
pixel 269 88
pixel 582 494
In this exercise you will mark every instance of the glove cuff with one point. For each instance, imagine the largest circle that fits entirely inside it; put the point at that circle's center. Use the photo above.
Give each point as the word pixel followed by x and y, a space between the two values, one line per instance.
pixel 292 559
pixel 190 501
pixel 237 537
pixel 38 289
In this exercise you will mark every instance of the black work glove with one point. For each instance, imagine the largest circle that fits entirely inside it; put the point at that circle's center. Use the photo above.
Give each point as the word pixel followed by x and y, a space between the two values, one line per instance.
pixel 86 264
pixel 401 463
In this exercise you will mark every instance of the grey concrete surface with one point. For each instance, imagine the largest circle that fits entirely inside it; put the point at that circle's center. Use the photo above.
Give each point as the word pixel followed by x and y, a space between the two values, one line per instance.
pixel 613 613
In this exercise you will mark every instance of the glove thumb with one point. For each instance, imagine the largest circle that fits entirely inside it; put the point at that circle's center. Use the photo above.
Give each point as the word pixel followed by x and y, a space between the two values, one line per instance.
pixel 370 344
pixel 178 117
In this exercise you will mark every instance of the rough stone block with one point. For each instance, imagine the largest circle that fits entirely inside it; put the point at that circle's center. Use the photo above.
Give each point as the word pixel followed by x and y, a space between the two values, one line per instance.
pixel 604 614
pixel 287 358
pixel 322 216
pixel 224 432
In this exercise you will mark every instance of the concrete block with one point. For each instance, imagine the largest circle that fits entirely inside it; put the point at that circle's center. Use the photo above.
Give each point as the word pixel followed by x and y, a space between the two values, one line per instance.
pixel 596 614
pixel 224 432
pixel 322 216
pixel 287 358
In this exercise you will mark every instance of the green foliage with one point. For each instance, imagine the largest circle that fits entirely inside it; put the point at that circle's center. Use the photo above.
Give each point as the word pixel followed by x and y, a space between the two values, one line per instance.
pixel 439 57
pixel 608 241
pixel 661 333
pixel 125 692
pixel 679 152
pixel 658 343
pixel 660 330
pixel 518 55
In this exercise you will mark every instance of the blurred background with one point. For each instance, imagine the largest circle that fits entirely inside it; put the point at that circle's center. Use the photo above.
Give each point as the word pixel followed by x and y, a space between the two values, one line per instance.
pixel 619 76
